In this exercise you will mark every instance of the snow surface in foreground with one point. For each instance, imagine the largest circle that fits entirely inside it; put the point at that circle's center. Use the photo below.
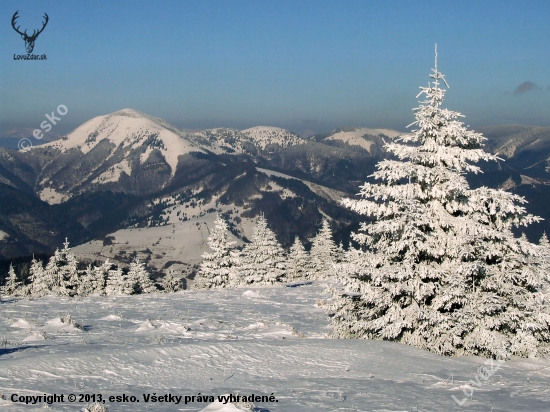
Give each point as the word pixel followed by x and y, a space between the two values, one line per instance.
pixel 257 340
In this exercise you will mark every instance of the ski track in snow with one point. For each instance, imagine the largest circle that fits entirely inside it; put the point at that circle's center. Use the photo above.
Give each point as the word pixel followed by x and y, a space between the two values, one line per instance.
pixel 226 341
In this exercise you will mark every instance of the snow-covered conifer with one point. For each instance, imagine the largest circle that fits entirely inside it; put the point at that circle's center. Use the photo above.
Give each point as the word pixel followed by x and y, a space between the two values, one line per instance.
pixel 299 265
pixel 62 272
pixel 12 285
pixel 544 246
pixel 139 278
pixel 117 283
pixel 101 274
pixel 40 283
pixel 87 281
pixel 441 269
pixel 218 268
pixel 171 282
pixel 324 253
pixel 262 261
pixel 544 250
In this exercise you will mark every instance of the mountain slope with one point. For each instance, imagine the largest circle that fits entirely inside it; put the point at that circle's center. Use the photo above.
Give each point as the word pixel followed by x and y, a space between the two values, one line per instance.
pixel 122 151
pixel 130 171
pixel 372 140
pixel 525 148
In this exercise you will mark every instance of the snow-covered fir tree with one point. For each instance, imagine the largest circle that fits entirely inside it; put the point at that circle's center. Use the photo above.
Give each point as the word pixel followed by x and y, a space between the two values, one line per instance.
pixel 87 281
pixel 139 278
pixel 101 274
pixel 218 268
pixel 171 282
pixel 12 286
pixel 440 268
pixel 117 283
pixel 544 248
pixel 40 282
pixel 299 265
pixel 324 253
pixel 262 261
pixel 62 272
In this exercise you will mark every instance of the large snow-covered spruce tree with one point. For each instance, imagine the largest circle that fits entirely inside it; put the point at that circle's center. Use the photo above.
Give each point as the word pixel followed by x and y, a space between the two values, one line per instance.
pixel 218 268
pixel 439 267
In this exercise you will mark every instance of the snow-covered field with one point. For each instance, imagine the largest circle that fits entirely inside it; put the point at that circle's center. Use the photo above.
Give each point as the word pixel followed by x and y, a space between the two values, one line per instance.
pixel 262 341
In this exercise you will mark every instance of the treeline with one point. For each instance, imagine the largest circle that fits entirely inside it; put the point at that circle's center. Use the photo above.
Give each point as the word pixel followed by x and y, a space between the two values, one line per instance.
pixel 61 276
pixel 263 260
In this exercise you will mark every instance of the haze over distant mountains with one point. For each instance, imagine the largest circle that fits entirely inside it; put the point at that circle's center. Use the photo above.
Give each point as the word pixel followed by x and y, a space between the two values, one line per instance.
pixel 128 182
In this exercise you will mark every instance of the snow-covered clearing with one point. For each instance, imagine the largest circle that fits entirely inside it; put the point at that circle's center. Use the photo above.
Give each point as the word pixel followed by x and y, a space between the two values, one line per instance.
pixel 51 196
pixel 251 340
pixel 322 191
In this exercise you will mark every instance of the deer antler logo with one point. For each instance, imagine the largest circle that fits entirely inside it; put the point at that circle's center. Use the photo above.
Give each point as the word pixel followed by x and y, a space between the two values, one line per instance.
pixel 29 40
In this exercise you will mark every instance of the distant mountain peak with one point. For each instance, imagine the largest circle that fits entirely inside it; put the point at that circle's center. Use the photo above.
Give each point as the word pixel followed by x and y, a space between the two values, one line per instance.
pixel 362 136
pixel 129 128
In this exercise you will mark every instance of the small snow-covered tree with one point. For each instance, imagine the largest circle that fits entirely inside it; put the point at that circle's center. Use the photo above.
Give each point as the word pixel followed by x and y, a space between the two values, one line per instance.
pixel 299 265
pixel 139 278
pixel 441 269
pixel 12 285
pixel 262 261
pixel 87 281
pixel 218 268
pixel 171 282
pixel 544 245
pixel 117 283
pixel 544 248
pixel 62 272
pixel 40 282
pixel 324 253
pixel 101 274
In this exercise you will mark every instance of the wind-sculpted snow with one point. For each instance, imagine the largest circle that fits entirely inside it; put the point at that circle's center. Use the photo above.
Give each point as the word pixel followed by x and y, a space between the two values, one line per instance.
pixel 250 340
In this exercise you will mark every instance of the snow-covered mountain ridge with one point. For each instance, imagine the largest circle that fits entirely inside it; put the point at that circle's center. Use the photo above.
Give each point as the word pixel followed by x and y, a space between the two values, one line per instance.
pixel 128 128
pixel 224 140
pixel 363 137
pixel 120 170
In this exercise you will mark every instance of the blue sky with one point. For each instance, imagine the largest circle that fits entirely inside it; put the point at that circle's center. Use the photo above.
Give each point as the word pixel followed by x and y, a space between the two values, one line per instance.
pixel 302 65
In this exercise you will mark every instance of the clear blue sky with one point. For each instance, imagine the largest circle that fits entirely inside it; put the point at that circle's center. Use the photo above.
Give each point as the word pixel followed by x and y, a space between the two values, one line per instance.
pixel 303 65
